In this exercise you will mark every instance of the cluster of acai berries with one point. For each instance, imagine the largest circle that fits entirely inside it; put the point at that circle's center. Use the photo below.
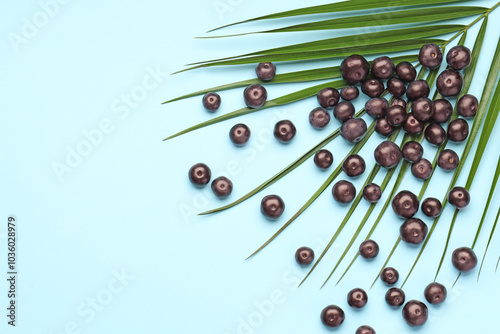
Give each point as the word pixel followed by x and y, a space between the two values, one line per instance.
pixel 426 115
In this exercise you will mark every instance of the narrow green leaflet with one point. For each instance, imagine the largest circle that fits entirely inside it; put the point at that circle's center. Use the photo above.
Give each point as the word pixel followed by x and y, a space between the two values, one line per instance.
pixel 488 244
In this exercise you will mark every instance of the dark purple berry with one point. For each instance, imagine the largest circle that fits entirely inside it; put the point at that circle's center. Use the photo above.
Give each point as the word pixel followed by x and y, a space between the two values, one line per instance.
pixel 383 127
pixel 222 187
pixel 211 101
pixel 319 118
pixel 382 67
pixel 435 134
pixel 459 197
pixel 365 330
pixel 417 89
pixel 387 154
pixel 265 71
pixel 448 160
pixel 344 192
pixel 377 107
pixel 354 165
pixel 435 293
pixel 422 169
pixel 442 110
pixel 255 96
pixel 304 256
pixel 406 71
pixel 396 115
pixel 354 69
pixel 323 159
pixel 239 134
pixel 200 174
pixel 372 87
pixel 458 130
pixel 399 102
pixel 458 57
pixel 449 83
pixel 430 56
pixel 372 192
pixel 467 106
pixel 412 151
pixel 431 207
pixel 357 298
pixel 353 130
pixel 464 259
pixel 395 297
pixel 422 109
pixel 343 111
pixel 405 204
pixel 328 97
pixel 413 231
pixel 284 131
pixel 332 316
pixel 368 249
pixel 389 276
pixel 272 206
pixel 396 87
pixel 412 125
pixel 415 313
pixel 349 93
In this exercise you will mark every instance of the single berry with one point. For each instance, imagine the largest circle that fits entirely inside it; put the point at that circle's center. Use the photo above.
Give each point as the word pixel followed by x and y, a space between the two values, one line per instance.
pixel 395 297
pixel 382 67
pixel 467 106
pixel 357 298
pixel 349 93
pixel 222 187
pixel 343 111
pixel 417 89
pixel 458 130
pixel 412 151
pixel 199 174
pixel 422 169
pixel 343 192
pixel 387 154
pixel 413 231
pixel 449 83
pixel 405 204
pixel 399 102
pixel 332 316
pixel 396 87
pixel 435 134
pixel 464 259
pixel 323 159
pixel 354 165
pixel 284 131
pixel 396 115
pixel 422 109
pixel 354 69
pixel 435 293
pixel 368 249
pixel 272 206
pixel 442 110
pixel 458 57
pixel 377 107
pixel 265 71
pixel 365 330
pixel 431 207
pixel 304 255
pixel 415 313
pixel 389 276
pixel 372 87
pixel 211 101
pixel 255 96
pixel 430 56
pixel 459 197
pixel 372 192
pixel 239 134
pixel 448 160
pixel 319 118
pixel 406 71
pixel 328 97
pixel 353 130
pixel 383 128
pixel 412 125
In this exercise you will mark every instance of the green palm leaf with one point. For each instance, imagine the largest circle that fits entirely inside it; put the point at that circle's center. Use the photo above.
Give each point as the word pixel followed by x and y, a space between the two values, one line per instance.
pixel 488 244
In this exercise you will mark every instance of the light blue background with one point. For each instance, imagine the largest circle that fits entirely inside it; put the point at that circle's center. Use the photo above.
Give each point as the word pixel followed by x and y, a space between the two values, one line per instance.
pixel 127 206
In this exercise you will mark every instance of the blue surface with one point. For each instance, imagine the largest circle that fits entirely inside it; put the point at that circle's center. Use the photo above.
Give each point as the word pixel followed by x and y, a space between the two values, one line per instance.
pixel 109 240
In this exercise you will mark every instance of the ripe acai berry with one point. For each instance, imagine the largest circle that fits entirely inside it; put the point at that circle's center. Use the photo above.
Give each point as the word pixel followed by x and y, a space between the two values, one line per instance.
pixel 458 130
pixel 255 96
pixel 467 106
pixel 383 128
pixel 343 111
pixel 353 130
pixel 319 118
pixel 459 197
pixel 396 87
pixel 464 259
pixel 405 204
pixel 349 93
pixel 412 151
pixel 328 97
pixel 442 110
pixel 406 71
pixel 372 87
pixel 422 109
pixel 354 69
pixel 389 276
pixel 411 125
pixel 200 174
pixel 239 134
pixel 332 316
pixel 354 165
pixel 395 297
pixel 435 293
pixel 413 231
pixel 430 56
pixel 417 89
pixel 431 207
pixel 365 330
pixel 387 154
pixel 372 192
pixel 396 115
pixel 415 313
pixel 304 256
pixel 422 169
pixel 323 159
pixel 343 192
pixel 458 57
pixel 222 187
pixel 399 102
pixel 368 249
pixel 435 134
pixel 211 101
pixel 448 160
pixel 382 67
pixel 272 206
pixel 284 131
pixel 357 298
pixel 377 107
pixel 449 83
pixel 265 71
